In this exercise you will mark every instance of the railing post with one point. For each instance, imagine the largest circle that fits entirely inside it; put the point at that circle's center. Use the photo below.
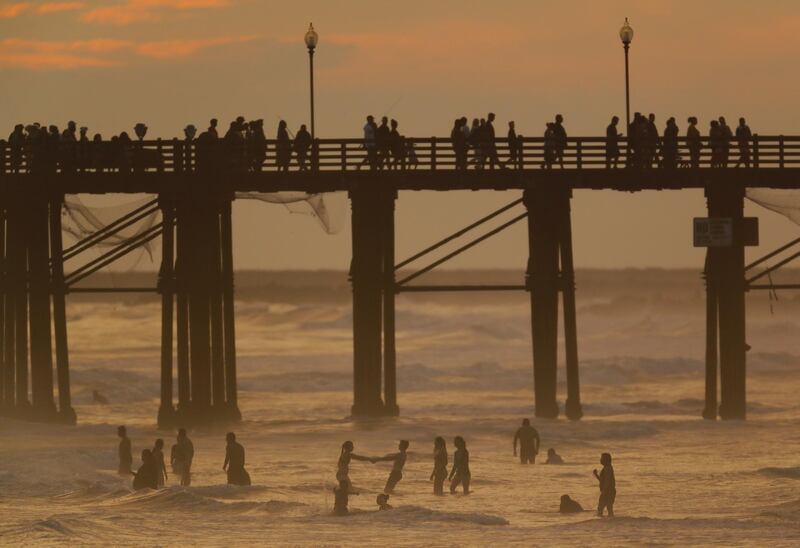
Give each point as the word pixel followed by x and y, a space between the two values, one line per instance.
pixel 521 152
pixel 433 153
pixel 177 156
pixel 160 148
pixel 315 155
pixel 3 157
pixel 780 151
pixel 344 156
pixel 579 152
pixel 755 150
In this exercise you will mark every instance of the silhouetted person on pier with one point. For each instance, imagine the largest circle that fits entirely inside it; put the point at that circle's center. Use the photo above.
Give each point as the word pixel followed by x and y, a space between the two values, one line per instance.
pixel 158 461
pixel 17 143
pixel 343 466
pixel 283 147
pixel 459 474
pixel 396 146
pixel 743 137
pixel 382 501
pixel 549 146
pixel 302 144
pixel 669 146
pixel 234 461
pixel 412 161
pixel 125 454
pixel 182 457
pixel 474 140
pixel 458 139
pixel 256 145
pixel 514 147
pixel 715 143
pixel 529 441
pixel 726 136
pixel 341 495
pixel 147 475
pixel 398 462
pixel 693 142
pixel 553 457
pixel 608 486
pixel 569 506
pixel 560 136
pixel 489 140
pixel 84 154
pixel 212 128
pixel 369 144
pixel 439 473
pixel 382 142
pixel 612 143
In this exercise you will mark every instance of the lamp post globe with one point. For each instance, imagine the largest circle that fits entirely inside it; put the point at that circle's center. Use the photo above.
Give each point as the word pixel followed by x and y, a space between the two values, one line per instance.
pixel 311 38
pixel 626 33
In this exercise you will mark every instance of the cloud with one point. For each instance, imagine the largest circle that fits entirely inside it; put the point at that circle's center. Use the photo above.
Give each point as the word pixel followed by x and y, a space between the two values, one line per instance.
pixel 173 49
pixel 100 52
pixel 137 11
pixel 58 7
pixel 13 10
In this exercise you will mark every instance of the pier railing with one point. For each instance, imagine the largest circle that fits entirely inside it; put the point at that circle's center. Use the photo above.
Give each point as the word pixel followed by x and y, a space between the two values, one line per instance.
pixel 346 155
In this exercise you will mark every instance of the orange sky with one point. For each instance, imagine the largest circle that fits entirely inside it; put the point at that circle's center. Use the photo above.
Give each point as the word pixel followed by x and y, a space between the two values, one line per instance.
pixel 109 64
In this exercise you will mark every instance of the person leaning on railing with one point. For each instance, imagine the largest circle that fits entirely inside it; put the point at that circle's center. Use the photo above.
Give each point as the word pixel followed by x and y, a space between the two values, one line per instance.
pixel 743 137
pixel 693 142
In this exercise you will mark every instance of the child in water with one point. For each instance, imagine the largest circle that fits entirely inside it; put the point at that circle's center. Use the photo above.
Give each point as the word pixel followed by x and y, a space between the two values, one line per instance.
pixel 341 495
pixel 569 506
pixel 553 457
pixel 460 474
pixel 343 467
pixel 399 461
pixel 608 486
pixel 439 473
pixel 383 502
pixel 146 476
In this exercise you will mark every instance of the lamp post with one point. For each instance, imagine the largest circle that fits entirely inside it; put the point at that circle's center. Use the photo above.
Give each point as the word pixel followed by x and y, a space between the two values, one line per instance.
pixel 311 43
pixel 626 35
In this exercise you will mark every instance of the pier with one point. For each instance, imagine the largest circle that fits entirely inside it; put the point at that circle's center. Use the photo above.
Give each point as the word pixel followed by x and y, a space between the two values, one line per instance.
pixel 195 185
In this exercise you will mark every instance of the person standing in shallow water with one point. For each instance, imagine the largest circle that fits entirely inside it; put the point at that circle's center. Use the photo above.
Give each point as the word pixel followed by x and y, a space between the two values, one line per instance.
pixel 439 473
pixel 158 460
pixel 608 486
pixel 182 457
pixel 529 442
pixel 343 466
pixel 234 461
pixel 125 455
pixel 399 461
pixel 146 477
pixel 460 473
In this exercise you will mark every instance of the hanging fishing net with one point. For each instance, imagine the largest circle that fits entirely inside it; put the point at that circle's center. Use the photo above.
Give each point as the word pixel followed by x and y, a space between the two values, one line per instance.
pixel 783 201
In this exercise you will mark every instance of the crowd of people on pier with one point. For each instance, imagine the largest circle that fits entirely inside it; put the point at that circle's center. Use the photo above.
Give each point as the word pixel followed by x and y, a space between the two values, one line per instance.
pixel 152 473
pixel 244 147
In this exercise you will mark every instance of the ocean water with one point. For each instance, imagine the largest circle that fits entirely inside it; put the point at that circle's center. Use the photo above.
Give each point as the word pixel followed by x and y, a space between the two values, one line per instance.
pixel 464 369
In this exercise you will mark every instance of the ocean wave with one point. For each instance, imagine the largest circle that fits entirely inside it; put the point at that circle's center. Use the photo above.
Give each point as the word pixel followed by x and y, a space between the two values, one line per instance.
pixel 411 514
pixel 187 499
pixel 792 472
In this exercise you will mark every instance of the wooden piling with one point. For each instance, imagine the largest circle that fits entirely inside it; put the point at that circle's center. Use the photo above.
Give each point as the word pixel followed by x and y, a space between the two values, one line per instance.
pixel 710 409
pixel 9 313
pixel 572 408
pixel 214 268
pixel 389 349
pixel 166 286
pixel 229 333
pixel 59 293
pixel 182 311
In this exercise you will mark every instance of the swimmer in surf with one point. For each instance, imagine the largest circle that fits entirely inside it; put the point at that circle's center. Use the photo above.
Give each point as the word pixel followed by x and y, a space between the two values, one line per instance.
pixel 399 461
pixel 343 466
pixel 439 473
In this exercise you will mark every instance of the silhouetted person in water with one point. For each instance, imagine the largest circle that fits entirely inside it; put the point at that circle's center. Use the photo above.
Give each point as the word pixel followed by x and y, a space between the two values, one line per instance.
pixel 612 143
pixel 343 466
pixel 669 146
pixel 234 461
pixel 369 144
pixel 743 137
pixel 158 461
pixel 553 457
pixel 382 501
pixel 182 457
pixel 146 476
pixel 302 143
pixel 458 139
pixel 283 147
pixel 726 136
pixel 439 473
pixel 569 506
pixel 341 494
pixel 693 142
pixel 125 455
pixel 382 142
pixel 560 136
pixel 460 474
pixel 529 441
pixel 608 486
pixel 399 461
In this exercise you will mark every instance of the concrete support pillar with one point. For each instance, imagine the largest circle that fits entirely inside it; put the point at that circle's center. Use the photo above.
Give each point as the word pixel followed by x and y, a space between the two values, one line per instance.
pixel 166 286
pixel 727 200
pixel 197 282
pixel 366 274
pixel 214 266
pixel 389 349
pixel 542 282
pixel 710 409
pixel 572 408
pixel 182 311
pixel 3 403
pixel 59 292
pixel 229 330
pixel 9 312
